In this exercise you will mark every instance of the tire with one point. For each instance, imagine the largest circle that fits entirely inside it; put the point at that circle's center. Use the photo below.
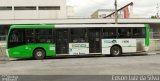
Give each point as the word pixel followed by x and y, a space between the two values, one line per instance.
pixel 116 51
pixel 39 54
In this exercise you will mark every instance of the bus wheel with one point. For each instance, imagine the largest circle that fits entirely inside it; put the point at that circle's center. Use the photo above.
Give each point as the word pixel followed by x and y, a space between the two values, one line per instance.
pixel 39 54
pixel 116 51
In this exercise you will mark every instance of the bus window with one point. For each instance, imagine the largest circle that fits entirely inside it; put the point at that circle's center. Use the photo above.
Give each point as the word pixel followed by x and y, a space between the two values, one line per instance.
pixel 78 35
pixel 109 33
pixel 16 38
pixel 29 35
pixel 139 33
pixel 43 36
pixel 124 33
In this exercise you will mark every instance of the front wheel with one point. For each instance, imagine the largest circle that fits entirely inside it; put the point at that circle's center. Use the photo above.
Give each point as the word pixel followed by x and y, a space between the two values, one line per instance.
pixel 39 54
pixel 116 51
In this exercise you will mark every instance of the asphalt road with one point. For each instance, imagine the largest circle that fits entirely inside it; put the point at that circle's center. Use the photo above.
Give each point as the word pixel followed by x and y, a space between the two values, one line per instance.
pixel 97 65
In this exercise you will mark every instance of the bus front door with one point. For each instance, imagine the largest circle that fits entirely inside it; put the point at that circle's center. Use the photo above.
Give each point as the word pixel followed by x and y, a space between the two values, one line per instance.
pixel 62 41
pixel 94 40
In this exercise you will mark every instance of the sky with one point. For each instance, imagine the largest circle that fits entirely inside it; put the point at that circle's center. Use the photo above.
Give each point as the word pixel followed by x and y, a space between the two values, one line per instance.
pixel 143 8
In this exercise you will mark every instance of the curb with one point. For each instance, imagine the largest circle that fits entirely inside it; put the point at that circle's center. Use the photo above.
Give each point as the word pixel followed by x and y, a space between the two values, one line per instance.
pixel 153 53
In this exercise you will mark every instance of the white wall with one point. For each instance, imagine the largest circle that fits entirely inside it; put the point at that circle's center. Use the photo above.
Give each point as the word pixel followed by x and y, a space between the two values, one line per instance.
pixel 33 14
pixel 24 2
pixel 95 15
pixel 6 15
pixel 70 11
pixel 27 14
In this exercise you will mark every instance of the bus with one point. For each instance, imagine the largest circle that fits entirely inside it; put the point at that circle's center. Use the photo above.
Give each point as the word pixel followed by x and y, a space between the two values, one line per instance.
pixel 41 41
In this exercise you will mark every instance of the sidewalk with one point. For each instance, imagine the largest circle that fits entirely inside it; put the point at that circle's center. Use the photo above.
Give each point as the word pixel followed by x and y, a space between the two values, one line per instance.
pixel 153 52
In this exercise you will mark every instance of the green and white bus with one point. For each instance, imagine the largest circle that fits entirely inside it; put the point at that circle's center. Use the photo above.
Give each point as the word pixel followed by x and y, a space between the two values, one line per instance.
pixel 40 41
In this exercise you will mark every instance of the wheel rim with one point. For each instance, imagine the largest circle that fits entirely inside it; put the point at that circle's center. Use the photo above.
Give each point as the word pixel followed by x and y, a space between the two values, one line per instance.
pixel 39 53
pixel 116 52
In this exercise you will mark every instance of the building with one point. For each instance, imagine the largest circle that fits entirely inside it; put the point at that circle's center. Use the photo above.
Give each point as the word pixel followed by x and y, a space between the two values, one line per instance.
pixel 101 13
pixel 70 11
pixel 33 9
pixel 123 12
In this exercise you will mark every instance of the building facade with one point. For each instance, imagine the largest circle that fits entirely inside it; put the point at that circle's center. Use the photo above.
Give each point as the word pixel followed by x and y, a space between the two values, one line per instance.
pixel 101 13
pixel 33 9
pixel 123 12
pixel 70 12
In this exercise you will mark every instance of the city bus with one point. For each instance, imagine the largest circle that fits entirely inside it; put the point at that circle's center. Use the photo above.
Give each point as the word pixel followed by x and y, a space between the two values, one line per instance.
pixel 41 41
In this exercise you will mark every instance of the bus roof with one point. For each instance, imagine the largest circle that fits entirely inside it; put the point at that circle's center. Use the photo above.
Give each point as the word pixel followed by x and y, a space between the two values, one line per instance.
pixel 78 26
pixel 33 26
pixel 98 25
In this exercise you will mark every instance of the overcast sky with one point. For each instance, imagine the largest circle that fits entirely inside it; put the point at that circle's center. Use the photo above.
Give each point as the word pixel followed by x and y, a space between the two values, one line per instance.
pixel 144 8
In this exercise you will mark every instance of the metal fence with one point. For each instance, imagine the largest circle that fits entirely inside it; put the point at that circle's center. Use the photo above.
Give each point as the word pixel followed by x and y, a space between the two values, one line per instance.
pixel 3 37
pixel 154 41
pixel 2 49
pixel 154 45
pixel 154 35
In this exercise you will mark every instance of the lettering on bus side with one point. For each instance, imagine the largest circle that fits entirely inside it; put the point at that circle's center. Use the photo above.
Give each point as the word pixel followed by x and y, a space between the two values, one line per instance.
pixel 125 41
pixel 79 45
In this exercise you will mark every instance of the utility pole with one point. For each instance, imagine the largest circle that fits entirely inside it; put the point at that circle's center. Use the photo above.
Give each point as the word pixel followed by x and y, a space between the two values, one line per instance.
pixel 157 15
pixel 116 13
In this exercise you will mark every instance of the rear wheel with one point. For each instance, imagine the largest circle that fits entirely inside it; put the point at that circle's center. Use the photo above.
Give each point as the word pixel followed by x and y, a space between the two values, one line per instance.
pixel 39 54
pixel 116 51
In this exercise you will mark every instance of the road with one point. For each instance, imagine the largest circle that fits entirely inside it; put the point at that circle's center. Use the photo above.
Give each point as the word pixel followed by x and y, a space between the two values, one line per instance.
pixel 97 65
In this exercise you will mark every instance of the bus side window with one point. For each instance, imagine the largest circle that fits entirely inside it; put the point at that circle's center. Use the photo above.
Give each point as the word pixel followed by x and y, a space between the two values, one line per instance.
pixel 78 35
pixel 43 36
pixel 124 32
pixel 109 32
pixel 139 33
pixel 29 35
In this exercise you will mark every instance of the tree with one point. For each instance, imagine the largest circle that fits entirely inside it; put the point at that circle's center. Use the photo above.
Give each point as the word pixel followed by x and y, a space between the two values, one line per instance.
pixel 153 17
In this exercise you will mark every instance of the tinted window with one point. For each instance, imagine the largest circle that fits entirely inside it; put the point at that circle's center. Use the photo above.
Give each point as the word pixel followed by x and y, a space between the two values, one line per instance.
pixel 109 33
pixel 78 35
pixel 29 35
pixel 124 33
pixel 16 38
pixel 49 7
pixel 6 8
pixel 25 8
pixel 139 32
pixel 43 36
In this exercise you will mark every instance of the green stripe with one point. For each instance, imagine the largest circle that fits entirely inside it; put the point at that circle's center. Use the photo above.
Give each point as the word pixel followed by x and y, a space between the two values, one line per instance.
pixel 128 46
pixel 106 47
pixel 147 35
pixel 122 46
